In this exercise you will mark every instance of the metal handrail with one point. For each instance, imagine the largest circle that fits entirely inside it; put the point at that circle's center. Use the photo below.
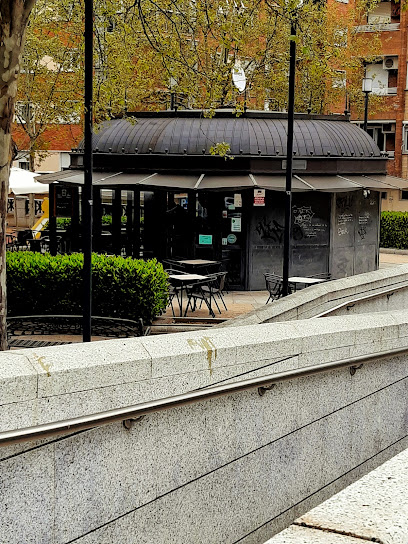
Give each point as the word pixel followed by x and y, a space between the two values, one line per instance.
pixel 130 412
pixel 353 301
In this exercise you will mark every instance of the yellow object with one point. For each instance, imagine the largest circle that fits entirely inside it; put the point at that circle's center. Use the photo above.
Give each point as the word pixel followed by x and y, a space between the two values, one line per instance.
pixel 38 225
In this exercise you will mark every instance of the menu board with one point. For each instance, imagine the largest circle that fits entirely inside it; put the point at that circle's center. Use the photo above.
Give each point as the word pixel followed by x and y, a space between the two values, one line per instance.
pixel 63 198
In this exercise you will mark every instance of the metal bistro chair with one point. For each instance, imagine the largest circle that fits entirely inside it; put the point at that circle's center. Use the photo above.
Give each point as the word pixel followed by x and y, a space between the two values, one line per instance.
pixel 274 285
pixel 173 290
pixel 21 242
pixel 11 242
pixel 216 287
pixel 174 265
pixel 196 292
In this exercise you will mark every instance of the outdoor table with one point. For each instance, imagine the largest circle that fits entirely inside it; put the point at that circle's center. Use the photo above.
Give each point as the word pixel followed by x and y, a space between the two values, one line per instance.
pixel 198 263
pixel 183 280
pixel 305 280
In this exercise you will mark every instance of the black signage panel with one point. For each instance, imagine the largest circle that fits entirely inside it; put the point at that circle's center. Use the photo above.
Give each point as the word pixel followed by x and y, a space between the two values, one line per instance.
pixel 64 201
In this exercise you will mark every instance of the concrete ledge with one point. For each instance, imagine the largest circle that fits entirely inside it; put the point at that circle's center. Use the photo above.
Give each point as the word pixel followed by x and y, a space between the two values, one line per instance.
pixel 240 467
pixel 316 299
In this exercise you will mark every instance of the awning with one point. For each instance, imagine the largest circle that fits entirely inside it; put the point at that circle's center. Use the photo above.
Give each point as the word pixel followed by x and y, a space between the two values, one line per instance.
pixel 170 181
pixel 278 183
pixel 392 181
pixel 225 182
pixel 23 182
pixel 76 177
pixel 211 182
pixel 366 182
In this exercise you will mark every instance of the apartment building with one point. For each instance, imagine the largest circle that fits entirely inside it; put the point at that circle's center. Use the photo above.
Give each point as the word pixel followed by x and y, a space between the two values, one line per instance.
pixel 59 141
pixel 388 125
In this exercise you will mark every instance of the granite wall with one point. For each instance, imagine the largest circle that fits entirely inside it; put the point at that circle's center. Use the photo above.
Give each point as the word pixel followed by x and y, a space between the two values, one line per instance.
pixel 233 469
pixel 378 291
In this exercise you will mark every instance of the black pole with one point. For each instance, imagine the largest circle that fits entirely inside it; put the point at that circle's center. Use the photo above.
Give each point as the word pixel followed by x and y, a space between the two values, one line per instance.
pixel 87 193
pixel 365 111
pixel 289 161
pixel 52 224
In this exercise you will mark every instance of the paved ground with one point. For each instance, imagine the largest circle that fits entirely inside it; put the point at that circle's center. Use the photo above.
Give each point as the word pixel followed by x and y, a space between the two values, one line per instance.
pixel 388 260
pixel 237 302
pixel 374 509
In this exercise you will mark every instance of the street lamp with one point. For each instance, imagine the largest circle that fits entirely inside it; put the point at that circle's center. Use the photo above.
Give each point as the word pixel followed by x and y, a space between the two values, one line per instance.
pixel 289 146
pixel 367 89
pixel 87 192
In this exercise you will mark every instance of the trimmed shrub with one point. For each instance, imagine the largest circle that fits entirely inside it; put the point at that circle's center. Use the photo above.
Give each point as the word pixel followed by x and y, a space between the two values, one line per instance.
pixel 394 230
pixel 38 283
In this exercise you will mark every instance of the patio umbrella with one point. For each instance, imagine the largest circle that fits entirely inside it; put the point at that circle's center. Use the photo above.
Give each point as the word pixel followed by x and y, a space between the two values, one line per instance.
pixel 22 182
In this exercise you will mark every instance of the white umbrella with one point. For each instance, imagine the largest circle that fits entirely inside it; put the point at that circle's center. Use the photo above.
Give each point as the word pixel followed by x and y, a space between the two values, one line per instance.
pixel 22 182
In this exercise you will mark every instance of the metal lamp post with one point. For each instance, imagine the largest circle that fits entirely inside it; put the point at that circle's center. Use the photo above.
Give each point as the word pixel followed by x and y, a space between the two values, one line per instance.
pixel 367 89
pixel 87 193
pixel 289 156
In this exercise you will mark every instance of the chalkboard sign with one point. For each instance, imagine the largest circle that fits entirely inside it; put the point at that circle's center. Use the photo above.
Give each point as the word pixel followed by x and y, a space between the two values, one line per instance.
pixel 367 221
pixel 311 220
pixel 345 219
pixel 63 197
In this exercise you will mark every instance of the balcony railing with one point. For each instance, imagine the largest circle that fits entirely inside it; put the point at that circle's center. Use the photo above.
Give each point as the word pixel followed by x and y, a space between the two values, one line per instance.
pixel 384 91
pixel 378 27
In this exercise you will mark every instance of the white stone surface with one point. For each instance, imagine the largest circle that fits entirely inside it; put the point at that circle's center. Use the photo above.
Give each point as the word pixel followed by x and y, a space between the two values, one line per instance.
pixel 312 301
pixel 18 381
pixel 375 509
pixel 219 471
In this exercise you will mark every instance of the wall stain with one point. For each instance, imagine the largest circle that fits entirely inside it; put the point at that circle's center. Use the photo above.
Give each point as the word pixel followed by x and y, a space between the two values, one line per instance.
pixel 205 343
pixel 40 361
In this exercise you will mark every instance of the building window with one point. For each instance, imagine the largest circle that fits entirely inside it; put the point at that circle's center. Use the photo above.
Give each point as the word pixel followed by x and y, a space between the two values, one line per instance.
pixel 339 79
pixel 380 14
pixel 24 165
pixel 340 37
pixel 404 195
pixel 384 75
pixel 384 195
pixel 383 134
pixel 24 112
pixel 405 138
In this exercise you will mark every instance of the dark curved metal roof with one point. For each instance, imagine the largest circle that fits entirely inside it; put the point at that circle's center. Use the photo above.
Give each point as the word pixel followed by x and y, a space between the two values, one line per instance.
pixel 254 136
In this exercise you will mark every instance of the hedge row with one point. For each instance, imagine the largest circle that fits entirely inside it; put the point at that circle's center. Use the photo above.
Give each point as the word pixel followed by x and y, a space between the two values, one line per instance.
pixel 65 222
pixel 39 283
pixel 394 230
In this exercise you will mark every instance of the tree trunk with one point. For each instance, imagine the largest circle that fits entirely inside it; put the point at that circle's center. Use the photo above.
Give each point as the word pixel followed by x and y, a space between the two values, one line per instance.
pixel 13 21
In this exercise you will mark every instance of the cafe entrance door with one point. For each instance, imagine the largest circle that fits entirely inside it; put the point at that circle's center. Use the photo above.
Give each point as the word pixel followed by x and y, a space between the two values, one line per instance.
pixel 221 233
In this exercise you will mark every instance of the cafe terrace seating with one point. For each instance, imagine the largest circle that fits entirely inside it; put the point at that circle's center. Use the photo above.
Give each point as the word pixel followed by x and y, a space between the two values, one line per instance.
pixel 206 291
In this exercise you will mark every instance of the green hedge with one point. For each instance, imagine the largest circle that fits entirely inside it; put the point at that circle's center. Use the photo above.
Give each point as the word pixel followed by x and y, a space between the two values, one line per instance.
pixel 39 283
pixel 65 222
pixel 394 230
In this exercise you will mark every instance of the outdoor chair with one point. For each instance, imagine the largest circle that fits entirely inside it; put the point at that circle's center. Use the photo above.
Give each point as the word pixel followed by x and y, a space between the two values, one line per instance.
pixel 217 287
pixel 274 285
pixel 225 263
pixel 21 242
pixel 172 264
pixel 173 290
pixel 196 292
pixel 11 242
